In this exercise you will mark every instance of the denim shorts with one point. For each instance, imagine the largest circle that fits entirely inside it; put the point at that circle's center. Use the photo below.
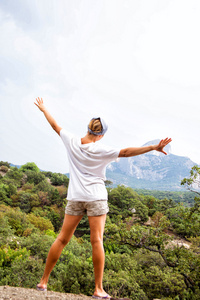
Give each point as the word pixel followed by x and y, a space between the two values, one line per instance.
pixel 91 208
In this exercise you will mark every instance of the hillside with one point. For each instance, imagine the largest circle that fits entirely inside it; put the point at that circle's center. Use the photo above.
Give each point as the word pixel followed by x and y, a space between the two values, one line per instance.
pixel 153 170
pixel 151 245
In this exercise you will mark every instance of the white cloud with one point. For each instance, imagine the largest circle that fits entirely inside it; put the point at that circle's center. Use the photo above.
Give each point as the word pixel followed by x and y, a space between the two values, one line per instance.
pixel 169 46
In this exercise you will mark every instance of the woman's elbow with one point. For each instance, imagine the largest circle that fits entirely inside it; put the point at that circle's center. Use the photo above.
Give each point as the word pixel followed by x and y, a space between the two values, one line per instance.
pixel 123 153
pixel 56 128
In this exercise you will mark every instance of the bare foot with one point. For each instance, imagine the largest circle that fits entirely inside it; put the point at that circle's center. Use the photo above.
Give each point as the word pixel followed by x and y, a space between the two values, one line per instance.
pixel 102 294
pixel 41 287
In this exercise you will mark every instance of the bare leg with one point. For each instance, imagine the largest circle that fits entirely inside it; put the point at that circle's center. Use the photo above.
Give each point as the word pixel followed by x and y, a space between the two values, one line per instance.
pixel 97 225
pixel 69 225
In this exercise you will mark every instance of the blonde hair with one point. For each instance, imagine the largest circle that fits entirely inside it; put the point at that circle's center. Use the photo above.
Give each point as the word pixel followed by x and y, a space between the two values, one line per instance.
pixel 95 125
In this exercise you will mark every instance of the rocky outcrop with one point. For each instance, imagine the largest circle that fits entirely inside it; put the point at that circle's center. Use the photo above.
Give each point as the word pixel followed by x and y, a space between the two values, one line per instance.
pixel 18 293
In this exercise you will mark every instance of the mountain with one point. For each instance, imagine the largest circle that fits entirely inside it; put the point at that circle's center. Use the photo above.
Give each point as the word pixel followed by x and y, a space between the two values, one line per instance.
pixel 152 170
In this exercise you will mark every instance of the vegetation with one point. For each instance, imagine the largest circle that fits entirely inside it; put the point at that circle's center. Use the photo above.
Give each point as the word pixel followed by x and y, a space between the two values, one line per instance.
pixel 186 197
pixel 143 257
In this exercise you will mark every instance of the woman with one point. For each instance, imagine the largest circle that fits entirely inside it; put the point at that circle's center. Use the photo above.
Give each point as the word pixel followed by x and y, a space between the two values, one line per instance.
pixel 87 193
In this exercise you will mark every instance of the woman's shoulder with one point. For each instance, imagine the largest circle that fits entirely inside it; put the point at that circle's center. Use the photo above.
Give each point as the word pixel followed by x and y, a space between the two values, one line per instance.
pixel 66 135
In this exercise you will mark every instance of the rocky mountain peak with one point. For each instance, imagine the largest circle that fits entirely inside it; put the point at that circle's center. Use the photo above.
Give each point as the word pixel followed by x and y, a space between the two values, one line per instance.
pixel 155 142
pixel 152 170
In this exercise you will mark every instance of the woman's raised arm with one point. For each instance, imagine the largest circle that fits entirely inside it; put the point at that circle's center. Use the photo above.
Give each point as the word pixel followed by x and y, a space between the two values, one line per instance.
pixel 39 103
pixel 133 151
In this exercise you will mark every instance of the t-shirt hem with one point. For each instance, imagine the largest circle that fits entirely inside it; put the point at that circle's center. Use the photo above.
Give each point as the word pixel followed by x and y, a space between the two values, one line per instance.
pixel 86 199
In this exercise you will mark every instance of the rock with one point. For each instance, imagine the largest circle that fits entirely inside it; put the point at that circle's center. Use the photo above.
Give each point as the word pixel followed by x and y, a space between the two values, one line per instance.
pixel 18 293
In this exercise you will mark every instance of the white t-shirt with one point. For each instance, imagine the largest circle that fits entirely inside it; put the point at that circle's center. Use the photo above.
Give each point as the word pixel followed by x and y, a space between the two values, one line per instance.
pixel 87 167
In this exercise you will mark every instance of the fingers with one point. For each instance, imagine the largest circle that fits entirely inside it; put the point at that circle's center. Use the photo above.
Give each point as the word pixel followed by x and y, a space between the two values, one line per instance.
pixel 166 141
pixel 164 152
pixel 39 101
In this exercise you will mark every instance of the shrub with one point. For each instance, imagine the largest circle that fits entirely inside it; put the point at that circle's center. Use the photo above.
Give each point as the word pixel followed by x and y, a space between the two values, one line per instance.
pixel 40 222
pixel 7 255
pixel 122 200
pixel 6 231
pixel 30 166
pixel 38 245
pixel 17 220
pixel 34 177
pixel 5 163
pixel 23 271
pixel 15 174
pixel 4 169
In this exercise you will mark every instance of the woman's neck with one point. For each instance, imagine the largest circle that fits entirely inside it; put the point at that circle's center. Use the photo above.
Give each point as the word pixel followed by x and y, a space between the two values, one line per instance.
pixel 90 138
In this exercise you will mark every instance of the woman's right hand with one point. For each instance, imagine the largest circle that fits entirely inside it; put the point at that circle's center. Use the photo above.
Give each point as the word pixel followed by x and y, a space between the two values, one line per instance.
pixel 40 104
pixel 162 144
pixel 47 115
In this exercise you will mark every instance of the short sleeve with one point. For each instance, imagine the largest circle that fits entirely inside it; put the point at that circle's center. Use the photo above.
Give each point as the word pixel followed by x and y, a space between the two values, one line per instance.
pixel 66 136
pixel 108 153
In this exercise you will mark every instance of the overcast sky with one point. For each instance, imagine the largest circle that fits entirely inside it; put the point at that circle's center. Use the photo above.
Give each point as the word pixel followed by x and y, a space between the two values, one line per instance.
pixel 135 63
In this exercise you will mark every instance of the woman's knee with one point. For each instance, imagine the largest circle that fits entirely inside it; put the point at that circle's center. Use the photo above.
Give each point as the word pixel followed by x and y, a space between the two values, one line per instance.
pixel 62 240
pixel 96 240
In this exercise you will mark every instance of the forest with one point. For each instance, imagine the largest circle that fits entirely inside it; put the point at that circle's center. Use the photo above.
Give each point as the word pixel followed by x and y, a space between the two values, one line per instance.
pixel 152 244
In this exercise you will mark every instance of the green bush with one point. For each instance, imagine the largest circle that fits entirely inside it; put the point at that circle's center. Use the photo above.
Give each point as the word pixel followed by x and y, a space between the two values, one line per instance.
pixel 38 245
pixel 39 222
pixel 183 221
pixel 30 166
pixel 123 200
pixel 6 232
pixel 14 174
pixel 159 283
pixel 17 220
pixel 57 178
pixel 74 272
pixel 8 255
pixel 34 177
pixel 123 284
pixel 5 163
pixel 21 269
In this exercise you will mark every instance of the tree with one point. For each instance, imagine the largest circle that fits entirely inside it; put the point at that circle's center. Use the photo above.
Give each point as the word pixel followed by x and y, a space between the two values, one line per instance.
pixel 30 166
pixel 6 231
pixel 3 195
pixel 108 183
pixel 14 174
pixel 183 262
pixel 34 177
pixel 57 179
pixel 193 182
pixel 5 163
pixel 184 220
pixel 123 200
pixel 155 205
